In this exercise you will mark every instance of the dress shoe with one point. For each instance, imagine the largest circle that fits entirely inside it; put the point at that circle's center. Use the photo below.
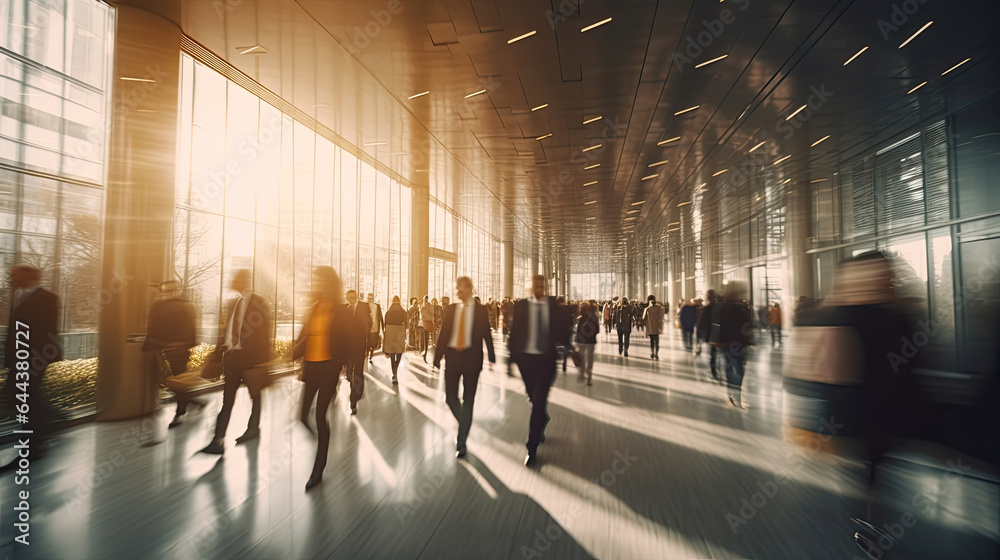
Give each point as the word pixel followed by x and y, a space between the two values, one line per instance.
pixel 248 435
pixel 176 421
pixel 652 356
pixel 214 448
pixel 394 380
pixel 313 481
pixel 354 410
pixel 461 453
pixel 530 461
pixel 626 353
pixel 589 383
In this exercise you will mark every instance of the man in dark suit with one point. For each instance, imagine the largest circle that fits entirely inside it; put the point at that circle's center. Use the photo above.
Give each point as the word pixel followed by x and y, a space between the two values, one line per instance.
pixel 34 311
pixel 464 327
pixel 377 326
pixel 359 325
pixel 245 343
pixel 539 333
pixel 171 330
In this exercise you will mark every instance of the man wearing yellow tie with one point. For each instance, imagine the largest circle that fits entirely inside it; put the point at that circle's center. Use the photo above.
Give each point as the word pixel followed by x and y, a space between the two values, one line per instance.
pixel 465 326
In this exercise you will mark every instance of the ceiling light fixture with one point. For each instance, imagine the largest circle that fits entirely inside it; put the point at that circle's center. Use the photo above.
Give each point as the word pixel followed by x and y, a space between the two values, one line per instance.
pixel 146 80
pixel 856 55
pixel 633 211
pixel 668 140
pixel 590 183
pixel 782 159
pixel 920 85
pixel 591 166
pixel 797 111
pixel 671 224
pixel 955 66
pixel 684 204
pixel 256 49
pixel 590 202
pixel 416 95
pixel 757 146
pixel 914 36
pixel 594 119
pixel 376 143
pixel 707 62
pixel 542 106
pixel 648 177
pixel 473 94
pixel 688 110
pixel 788 180
pixel 519 37
pixel 544 136
pixel 658 163
pixel 717 173
pixel 592 218
pixel 631 218
pixel 816 143
pixel 593 25
pixel 817 181
pixel 594 147
pixel 638 203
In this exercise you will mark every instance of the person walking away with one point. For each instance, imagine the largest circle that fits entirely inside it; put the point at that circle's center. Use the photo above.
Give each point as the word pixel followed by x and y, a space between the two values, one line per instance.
pixel 733 321
pixel 704 331
pixel 623 324
pixel 586 338
pixel 395 336
pixel 653 316
pixel 688 319
pixel 774 320
pixel 170 330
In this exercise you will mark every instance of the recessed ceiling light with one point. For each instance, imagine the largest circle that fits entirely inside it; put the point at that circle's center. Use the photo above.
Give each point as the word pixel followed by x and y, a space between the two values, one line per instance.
pixel 648 177
pixel 544 136
pixel 668 140
pixel 782 159
pixel 717 173
pixel 592 166
pixel 633 211
pixel 689 109
pixel 416 95
pixel 146 80
pixel 955 66
pixel 856 55
pixel 684 204
pixel 631 218
pixel 671 224
pixel 593 119
pixel 376 143
pixel 594 147
pixel 658 163
pixel 914 36
pixel 590 202
pixel 797 111
pixel 256 49
pixel 593 25
pixel 590 183
pixel 592 218
pixel 785 181
pixel 519 37
pixel 920 85
pixel 757 146
pixel 146 111
pixel 475 93
pixel 816 143
pixel 707 62
pixel 638 203
pixel 542 106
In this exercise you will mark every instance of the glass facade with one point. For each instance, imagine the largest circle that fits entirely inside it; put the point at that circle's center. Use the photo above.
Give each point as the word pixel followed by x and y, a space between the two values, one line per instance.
pixel 257 189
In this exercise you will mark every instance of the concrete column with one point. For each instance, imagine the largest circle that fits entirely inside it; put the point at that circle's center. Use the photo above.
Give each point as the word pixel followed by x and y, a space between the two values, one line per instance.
pixel 507 244
pixel 799 229
pixel 139 207
pixel 419 240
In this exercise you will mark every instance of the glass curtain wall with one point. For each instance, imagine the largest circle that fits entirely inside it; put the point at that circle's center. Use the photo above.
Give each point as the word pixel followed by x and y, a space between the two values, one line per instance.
pixel 467 246
pixel 259 190
pixel 54 89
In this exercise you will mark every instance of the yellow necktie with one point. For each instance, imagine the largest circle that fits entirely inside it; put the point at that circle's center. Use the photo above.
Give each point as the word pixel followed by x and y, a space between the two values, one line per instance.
pixel 460 341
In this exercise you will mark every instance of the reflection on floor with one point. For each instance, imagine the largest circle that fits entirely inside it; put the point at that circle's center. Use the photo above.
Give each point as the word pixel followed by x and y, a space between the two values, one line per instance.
pixel 649 462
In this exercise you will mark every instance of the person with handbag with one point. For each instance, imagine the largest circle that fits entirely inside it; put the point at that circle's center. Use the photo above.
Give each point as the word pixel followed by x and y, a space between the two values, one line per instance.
pixel 586 340
pixel 395 335
pixel 170 331
pixel 244 343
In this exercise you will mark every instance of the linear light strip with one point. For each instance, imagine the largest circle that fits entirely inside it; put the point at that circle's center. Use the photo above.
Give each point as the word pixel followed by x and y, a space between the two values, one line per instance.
pixel 816 143
pixel 914 36
pixel 707 62
pixel 689 109
pixel 593 25
pixel 955 66
pixel 717 173
pixel 416 95
pixel 542 106
pixel 757 146
pixel 668 140
pixel 473 94
pixel 519 37
pixel 592 166
pixel 920 85
pixel 595 119
pixel 797 111
pixel 782 159
pixel 594 147
pixel 856 55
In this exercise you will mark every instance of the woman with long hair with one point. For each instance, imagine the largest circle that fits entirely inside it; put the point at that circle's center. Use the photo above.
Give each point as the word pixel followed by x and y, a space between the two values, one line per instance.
pixel 395 335
pixel 323 355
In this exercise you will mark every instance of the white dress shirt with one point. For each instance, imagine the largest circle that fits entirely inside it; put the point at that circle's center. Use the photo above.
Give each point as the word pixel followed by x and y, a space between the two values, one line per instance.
pixel 538 317
pixel 470 316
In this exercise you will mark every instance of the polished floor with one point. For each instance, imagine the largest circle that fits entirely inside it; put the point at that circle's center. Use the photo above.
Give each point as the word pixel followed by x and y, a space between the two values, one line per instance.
pixel 649 462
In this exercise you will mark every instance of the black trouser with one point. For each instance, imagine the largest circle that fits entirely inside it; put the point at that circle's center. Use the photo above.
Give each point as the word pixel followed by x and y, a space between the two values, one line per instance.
pixel 461 367
pixel 178 359
pixel 688 338
pixel 424 335
pixel 654 344
pixel 623 340
pixel 356 374
pixel 775 334
pixel 538 372
pixel 323 378
pixel 713 360
pixel 394 362
pixel 233 365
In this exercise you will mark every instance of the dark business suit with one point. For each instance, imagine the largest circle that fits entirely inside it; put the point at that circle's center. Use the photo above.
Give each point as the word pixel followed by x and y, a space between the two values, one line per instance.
pixel 171 330
pixel 538 370
pixel 38 314
pixel 463 365
pixel 358 325
pixel 253 336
